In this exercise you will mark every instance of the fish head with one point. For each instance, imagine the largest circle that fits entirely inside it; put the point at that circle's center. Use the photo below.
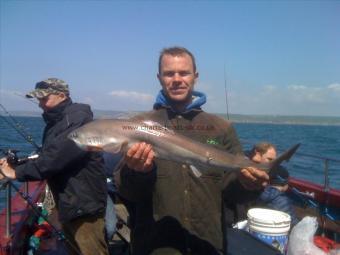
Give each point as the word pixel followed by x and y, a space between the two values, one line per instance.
pixel 86 141
pixel 97 136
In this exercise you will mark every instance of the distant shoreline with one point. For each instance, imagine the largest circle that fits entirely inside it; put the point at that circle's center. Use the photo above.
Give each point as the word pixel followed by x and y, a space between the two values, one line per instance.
pixel 236 118
pixel 287 123
pixel 284 120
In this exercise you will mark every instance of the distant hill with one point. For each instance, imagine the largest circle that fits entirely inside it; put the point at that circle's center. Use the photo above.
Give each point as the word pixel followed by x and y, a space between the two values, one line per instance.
pixel 280 119
pixel 98 114
pixel 103 114
pixel 240 118
pixel 24 113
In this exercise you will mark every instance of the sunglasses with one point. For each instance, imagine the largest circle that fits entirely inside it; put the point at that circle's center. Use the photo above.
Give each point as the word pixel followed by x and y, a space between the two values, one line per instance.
pixel 43 85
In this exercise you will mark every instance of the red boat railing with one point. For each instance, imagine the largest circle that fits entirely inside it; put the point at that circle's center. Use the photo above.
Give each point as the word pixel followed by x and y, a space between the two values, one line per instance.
pixel 9 207
pixel 15 215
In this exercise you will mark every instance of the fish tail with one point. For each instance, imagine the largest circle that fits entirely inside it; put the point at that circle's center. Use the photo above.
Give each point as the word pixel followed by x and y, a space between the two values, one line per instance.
pixel 283 157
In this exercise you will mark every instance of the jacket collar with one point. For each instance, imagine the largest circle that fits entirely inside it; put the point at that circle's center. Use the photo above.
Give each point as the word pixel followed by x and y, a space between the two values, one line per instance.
pixel 162 101
pixel 56 113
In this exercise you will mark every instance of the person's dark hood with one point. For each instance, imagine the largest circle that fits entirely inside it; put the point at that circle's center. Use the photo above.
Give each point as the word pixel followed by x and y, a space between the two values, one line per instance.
pixel 55 114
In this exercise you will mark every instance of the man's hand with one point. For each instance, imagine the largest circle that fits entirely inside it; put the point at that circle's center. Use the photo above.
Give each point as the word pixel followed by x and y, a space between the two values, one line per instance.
pixel 140 157
pixel 6 170
pixel 253 178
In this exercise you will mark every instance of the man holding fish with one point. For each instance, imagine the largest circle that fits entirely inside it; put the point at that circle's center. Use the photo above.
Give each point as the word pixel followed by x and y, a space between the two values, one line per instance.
pixel 178 161
pixel 180 205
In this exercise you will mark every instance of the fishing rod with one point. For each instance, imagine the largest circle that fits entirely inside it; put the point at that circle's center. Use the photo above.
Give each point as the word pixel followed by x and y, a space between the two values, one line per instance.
pixel 23 96
pixel 18 128
pixel 13 160
pixel 226 91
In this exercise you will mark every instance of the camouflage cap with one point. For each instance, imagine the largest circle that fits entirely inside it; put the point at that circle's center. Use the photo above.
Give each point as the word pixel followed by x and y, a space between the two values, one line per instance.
pixel 47 87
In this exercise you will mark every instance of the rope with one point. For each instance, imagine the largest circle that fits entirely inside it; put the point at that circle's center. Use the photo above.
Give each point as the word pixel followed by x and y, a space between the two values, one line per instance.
pixel 48 202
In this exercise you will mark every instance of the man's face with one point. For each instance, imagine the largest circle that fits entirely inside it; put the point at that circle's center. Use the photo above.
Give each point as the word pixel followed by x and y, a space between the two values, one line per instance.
pixel 266 157
pixel 177 77
pixel 50 101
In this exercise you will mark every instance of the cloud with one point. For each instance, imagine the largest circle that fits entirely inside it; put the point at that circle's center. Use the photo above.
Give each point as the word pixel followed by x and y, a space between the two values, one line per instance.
pixel 297 87
pixel 290 99
pixel 306 94
pixel 88 100
pixel 334 87
pixel 204 86
pixel 208 89
pixel 270 88
pixel 313 94
pixel 132 95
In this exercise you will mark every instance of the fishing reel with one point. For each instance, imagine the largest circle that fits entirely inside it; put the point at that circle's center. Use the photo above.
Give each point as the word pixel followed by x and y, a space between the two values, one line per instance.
pixel 14 160
pixel 12 157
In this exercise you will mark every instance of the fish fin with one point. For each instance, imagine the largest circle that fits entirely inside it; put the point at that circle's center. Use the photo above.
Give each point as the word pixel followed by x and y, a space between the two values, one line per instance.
pixel 195 171
pixel 114 147
pixel 283 157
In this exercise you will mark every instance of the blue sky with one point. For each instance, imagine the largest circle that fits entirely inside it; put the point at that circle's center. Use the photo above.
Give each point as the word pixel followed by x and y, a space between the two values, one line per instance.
pixel 280 57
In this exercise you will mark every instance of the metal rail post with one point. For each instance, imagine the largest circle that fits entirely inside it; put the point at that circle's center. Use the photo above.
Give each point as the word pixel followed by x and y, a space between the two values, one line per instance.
pixel 326 185
pixel 26 187
pixel 8 210
pixel 326 190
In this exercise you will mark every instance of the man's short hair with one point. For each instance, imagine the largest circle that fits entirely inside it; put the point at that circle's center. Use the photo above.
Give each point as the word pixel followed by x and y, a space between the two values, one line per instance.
pixel 176 51
pixel 262 148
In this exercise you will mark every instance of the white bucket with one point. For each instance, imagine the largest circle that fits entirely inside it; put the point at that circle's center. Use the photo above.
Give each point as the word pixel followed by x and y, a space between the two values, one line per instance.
pixel 270 226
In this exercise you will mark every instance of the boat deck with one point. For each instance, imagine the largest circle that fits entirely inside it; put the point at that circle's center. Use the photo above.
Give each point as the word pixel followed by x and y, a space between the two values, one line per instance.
pixel 119 245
